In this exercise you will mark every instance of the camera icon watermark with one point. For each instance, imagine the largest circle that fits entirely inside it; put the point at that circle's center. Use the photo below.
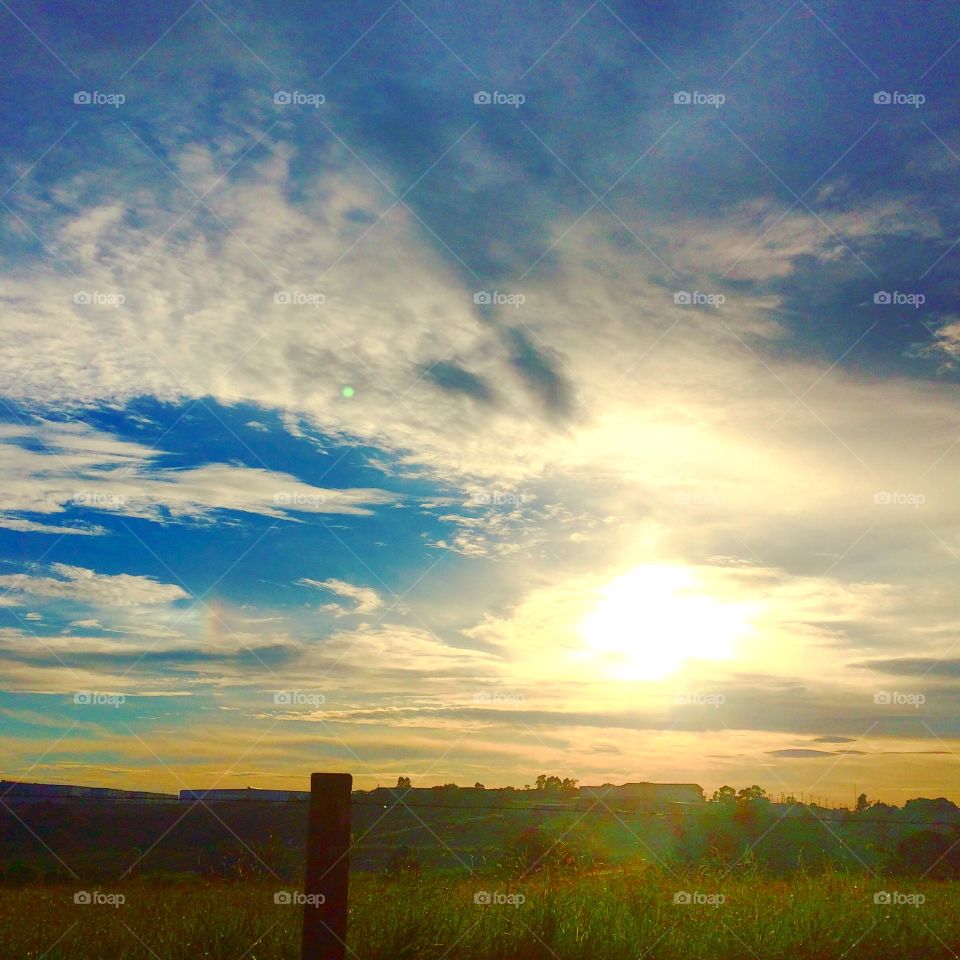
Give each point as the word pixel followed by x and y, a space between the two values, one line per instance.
pixel 294 898
pixel 298 698
pixel 896 899
pixel 896 698
pixel 97 499
pixel 93 698
pixel 297 499
pixel 696 898
pixel 485 97
pixel 298 298
pixel 97 899
pixel 299 99
pixel 499 498
pixel 896 298
pixel 899 99
pixel 87 98
pixel 487 898
pixel 698 98
pixel 696 298
pixel 98 298
pixel 498 298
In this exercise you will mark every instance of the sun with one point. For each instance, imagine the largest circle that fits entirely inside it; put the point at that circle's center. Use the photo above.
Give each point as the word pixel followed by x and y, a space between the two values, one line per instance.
pixel 649 622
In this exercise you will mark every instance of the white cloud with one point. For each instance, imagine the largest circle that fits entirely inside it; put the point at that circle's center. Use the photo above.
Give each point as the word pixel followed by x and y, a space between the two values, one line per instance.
pixel 30 526
pixel 73 465
pixel 392 650
pixel 945 344
pixel 759 241
pixel 366 599
pixel 89 587
pixel 393 311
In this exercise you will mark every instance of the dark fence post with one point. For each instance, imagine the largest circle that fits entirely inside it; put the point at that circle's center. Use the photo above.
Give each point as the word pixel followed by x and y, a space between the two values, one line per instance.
pixel 328 868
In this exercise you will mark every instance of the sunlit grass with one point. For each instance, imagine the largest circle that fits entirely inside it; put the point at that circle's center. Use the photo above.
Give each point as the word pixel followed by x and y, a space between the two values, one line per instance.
pixel 613 916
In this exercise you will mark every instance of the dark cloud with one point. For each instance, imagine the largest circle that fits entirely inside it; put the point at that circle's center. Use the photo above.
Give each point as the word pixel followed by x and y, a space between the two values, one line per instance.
pixel 454 379
pixel 913 666
pixel 540 370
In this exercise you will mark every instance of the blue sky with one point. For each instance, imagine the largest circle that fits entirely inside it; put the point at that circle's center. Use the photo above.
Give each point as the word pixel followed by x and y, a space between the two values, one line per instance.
pixel 465 393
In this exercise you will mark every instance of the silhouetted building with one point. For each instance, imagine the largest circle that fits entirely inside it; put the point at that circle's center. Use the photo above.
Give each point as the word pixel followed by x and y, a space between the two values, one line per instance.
pixel 245 793
pixel 35 792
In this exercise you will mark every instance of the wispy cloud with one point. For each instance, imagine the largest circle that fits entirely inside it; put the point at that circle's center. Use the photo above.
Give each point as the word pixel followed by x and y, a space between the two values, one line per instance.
pixel 89 587
pixel 365 599
pixel 47 468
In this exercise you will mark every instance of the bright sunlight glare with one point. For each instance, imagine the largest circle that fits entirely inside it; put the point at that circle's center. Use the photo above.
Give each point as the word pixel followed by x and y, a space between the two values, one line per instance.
pixel 649 622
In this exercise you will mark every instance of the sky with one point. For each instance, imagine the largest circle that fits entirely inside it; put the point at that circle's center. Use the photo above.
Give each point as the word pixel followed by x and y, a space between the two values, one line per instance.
pixel 470 392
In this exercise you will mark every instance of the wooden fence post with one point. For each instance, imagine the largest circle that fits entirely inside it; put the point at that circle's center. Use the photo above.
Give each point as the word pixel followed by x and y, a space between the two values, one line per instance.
pixel 328 868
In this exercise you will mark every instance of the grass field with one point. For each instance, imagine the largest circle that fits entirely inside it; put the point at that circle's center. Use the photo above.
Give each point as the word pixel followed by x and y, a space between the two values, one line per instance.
pixel 618 915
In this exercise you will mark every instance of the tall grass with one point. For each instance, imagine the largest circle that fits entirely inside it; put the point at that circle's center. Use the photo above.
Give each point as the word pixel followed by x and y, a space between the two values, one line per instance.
pixel 618 915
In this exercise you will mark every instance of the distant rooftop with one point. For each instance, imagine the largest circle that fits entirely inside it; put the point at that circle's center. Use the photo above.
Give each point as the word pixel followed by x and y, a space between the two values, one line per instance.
pixel 19 790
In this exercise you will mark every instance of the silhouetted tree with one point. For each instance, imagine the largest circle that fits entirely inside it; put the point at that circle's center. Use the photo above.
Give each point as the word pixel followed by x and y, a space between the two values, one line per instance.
pixel 927 853
pixel 554 784
pixel 752 804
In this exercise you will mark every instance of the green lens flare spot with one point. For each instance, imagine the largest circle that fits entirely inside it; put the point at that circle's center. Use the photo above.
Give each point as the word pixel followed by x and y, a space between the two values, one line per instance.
pixel 347 392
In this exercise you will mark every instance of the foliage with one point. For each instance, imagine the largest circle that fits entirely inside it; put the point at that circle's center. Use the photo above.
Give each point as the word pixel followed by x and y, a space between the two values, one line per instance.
pixel 554 784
